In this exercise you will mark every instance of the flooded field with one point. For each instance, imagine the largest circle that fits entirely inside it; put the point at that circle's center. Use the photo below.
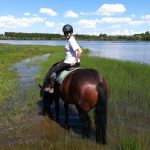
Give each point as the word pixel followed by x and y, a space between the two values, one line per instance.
pixel 22 126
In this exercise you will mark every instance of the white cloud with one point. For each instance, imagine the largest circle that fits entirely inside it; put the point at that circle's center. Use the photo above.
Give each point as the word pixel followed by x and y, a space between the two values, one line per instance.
pixel 27 14
pixel 88 13
pixel 111 9
pixel 49 24
pixel 137 22
pixel 131 21
pixel 122 32
pixel 146 17
pixel 71 14
pixel 9 22
pixel 143 20
pixel 48 11
pixel 86 23
pixel 115 26
pixel 114 20
pixel 133 15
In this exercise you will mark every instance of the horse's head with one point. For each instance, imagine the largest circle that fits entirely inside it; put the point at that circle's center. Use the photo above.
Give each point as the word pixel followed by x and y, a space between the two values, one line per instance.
pixel 46 101
pixel 44 89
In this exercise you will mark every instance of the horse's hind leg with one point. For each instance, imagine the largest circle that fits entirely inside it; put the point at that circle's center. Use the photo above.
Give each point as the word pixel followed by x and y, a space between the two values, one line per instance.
pixel 66 115
pixel 86 123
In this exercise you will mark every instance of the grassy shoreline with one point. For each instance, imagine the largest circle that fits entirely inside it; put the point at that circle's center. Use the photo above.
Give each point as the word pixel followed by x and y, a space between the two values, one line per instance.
pixel 128 83
pixel 10 54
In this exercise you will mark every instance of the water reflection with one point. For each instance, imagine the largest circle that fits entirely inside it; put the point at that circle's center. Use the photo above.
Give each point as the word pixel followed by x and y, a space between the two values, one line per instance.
pixel 27 72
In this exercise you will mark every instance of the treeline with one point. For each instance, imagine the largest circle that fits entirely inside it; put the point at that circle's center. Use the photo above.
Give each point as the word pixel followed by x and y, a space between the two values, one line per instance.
pixel 49 36
pixel 143 36
pixel 29 36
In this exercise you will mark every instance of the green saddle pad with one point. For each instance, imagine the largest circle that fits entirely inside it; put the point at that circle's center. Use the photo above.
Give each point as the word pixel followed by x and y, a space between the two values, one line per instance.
pixel 63 74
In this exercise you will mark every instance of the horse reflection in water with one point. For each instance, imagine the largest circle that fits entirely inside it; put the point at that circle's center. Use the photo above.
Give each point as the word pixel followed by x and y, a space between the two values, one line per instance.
pixel 86 89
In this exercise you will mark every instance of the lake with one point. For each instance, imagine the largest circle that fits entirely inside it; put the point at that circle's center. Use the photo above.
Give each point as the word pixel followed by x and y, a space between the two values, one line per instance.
pixel 137 51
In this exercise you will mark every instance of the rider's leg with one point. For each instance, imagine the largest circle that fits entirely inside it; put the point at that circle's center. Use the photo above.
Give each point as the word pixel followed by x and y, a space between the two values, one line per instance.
pixel 55 70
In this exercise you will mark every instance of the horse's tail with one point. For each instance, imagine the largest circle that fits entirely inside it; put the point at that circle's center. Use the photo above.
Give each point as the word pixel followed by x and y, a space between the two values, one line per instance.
pixel 101 113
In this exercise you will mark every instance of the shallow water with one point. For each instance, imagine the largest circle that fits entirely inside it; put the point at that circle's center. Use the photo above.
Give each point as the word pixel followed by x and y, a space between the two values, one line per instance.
pixel 27 72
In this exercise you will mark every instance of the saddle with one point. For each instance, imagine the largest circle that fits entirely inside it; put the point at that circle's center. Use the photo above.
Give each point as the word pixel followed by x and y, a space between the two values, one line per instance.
pixel 61 76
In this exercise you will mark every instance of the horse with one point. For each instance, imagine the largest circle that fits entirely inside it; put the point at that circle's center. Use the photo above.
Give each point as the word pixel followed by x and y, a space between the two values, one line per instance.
pixel 87 90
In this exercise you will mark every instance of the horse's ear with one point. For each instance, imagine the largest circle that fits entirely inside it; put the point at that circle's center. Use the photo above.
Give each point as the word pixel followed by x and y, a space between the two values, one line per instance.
pixel 39 85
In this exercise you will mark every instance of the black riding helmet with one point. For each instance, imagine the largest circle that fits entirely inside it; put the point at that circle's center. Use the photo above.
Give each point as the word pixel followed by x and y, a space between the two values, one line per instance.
pixel 67 28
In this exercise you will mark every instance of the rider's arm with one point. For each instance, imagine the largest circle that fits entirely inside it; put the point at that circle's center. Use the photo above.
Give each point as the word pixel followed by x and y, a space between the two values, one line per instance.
pixel 79 52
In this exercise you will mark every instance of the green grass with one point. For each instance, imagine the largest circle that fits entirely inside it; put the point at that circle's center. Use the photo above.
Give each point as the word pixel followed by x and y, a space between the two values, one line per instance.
pixel 130 144
pixel 128 102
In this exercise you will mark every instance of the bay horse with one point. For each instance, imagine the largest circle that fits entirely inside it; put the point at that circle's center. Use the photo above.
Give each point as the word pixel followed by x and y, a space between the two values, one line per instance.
pixel 86 89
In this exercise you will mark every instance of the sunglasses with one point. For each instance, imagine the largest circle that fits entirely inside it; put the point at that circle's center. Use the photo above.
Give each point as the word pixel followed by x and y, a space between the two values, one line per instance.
pixel 66 32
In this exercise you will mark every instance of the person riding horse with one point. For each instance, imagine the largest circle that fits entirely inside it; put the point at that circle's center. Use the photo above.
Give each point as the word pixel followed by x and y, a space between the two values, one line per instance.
pixel 72 59
pixel 86 88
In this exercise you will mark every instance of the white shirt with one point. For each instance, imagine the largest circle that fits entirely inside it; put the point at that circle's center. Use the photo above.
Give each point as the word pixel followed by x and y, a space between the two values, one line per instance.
pixel 71 50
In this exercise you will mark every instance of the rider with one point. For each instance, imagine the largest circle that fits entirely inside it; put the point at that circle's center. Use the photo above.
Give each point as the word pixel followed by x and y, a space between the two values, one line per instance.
pixel 72 59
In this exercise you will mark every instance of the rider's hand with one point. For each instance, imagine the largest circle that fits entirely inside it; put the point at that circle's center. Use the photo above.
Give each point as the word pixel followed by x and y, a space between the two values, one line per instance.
pixel 73 63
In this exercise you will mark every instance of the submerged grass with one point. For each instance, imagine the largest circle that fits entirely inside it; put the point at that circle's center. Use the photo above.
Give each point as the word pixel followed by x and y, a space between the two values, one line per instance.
pixel 128 106
pixel 10 54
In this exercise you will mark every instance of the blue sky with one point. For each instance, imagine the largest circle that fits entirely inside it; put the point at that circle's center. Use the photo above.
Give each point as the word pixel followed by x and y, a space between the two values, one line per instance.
pixel 113 17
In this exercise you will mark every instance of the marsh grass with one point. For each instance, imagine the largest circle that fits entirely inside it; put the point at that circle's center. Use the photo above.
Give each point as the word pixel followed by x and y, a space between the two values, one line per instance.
pixel 129 144
pixel 128 105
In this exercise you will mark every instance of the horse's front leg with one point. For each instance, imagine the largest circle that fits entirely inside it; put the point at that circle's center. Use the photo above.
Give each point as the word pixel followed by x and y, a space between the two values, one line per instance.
pixel 57 109
pixel 66 106
pixel 46 107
